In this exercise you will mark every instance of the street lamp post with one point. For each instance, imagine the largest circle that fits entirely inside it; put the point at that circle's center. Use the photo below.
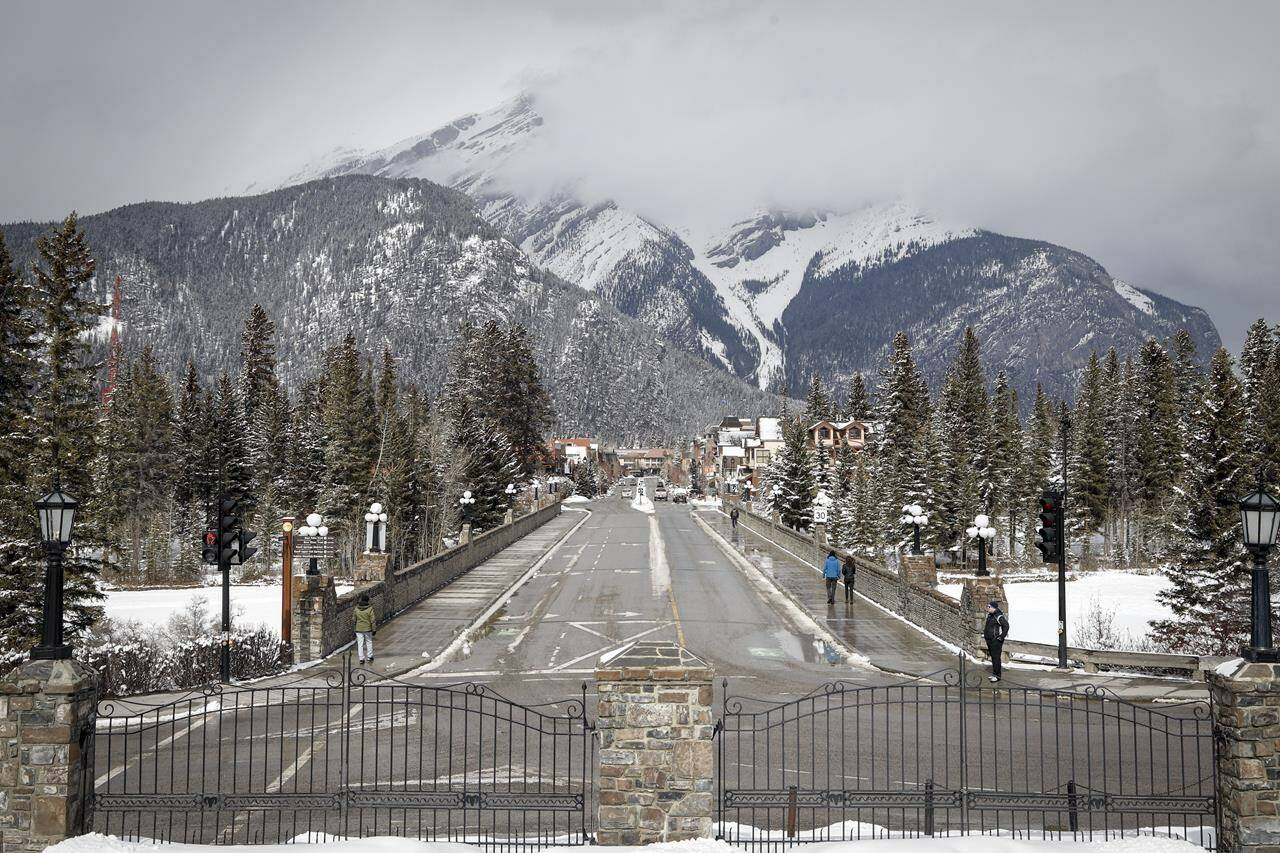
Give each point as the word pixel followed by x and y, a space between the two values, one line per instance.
pixel 57 512
pixel 1260 516
pixel 375 521
pixel 467 501
pixel 314 528
pixel 981 530
pixel 915 516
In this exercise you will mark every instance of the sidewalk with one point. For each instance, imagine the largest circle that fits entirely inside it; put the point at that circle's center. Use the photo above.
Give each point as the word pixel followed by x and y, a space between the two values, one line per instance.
pixel 892 644
pixel 421 633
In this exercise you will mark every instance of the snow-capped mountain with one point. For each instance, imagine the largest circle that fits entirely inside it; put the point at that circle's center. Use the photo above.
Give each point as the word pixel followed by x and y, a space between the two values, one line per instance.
pixel 758 295
pixel 400 264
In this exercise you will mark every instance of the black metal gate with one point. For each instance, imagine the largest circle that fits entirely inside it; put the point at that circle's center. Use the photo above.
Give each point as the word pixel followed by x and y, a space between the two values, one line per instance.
pixel 341 754
pixel 948 754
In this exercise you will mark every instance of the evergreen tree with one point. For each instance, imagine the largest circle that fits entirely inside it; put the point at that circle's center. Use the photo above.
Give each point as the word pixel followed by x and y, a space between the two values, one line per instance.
pixel 901 418
pixel 1039 443
pixel 857 402
pixel 1209 581
pixel 259 393
pixel 863 521
pixel 234 479
pixel 840 517
pixel 524 404
pixel 964 426
pixel 1004 472
pixel 351 435
pixel 791 472
pixel 20 581
pixel 817 404
pixel 1120 426
pixel 66 409
pixel 1158 451
pixel 586 478
pixel 191 495
pixel 1088 479
pixel 488 466
pixel 1256 358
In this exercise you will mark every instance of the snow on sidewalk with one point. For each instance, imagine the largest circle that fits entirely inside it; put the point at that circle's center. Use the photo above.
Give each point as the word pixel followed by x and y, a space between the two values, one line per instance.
pixel 95 843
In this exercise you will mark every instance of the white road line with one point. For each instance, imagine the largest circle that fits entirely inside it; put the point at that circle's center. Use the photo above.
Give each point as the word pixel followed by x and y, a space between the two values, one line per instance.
pixel 619 645
pixel 305 756
pixel 107 777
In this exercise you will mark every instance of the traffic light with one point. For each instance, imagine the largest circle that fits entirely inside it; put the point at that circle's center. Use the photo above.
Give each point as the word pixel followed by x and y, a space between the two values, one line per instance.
pixel 228 532
pixel 243 552
pixel 209 556
pixel 1051 539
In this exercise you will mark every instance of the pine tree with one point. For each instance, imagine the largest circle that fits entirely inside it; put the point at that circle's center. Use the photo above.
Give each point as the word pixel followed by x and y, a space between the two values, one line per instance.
pixel 488 466
pixel 1005 457
pixel 791 475
pixel 234 478
pixel 840 517
pixel 259 393
pixel 902 416
pixel 1158 452
pixel 1039 443
pixel 1120 424
pixel 864 522
pixel 524 412
pixel 1209 581
pixel 857 402
pixel 190 493
pixel 1268 463
pixel 964 425
pixel 351 435
pixel 817 404
pixel 66 409
pixel 20 580
pixel 1255 362
pixel 1088 479
pixel 586 478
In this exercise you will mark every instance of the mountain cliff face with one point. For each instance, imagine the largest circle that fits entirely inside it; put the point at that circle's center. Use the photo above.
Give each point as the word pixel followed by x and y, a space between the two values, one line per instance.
pixel 401 264
pixel 780 295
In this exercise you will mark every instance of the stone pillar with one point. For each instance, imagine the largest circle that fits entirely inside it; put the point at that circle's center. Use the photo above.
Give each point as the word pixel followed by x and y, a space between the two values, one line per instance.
pixel 47 714
pixel 977 594
pixel 918 570
pixel 820 546
pixel 1246 722
pixel 656 760
pixel 371 568
pixel 314 601
pixel 464 535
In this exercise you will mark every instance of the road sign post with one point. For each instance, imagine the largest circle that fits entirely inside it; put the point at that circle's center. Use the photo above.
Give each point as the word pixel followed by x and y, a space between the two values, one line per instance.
pixel 286 582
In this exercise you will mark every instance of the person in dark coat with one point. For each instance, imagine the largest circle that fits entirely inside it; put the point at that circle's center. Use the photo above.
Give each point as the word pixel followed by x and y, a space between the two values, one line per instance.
pixel 831 573
pixel 850 571
pixel 994 632
pixel 733 516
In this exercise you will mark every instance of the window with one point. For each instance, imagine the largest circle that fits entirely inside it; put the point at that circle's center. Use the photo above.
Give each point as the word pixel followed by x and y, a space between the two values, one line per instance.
pixel 824 434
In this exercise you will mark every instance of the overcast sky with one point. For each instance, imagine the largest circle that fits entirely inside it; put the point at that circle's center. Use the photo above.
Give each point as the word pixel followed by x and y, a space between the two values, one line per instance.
pixel 1145 134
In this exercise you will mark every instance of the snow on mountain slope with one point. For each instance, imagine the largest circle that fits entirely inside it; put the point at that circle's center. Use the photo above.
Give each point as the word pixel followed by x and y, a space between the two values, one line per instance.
pixel 731 294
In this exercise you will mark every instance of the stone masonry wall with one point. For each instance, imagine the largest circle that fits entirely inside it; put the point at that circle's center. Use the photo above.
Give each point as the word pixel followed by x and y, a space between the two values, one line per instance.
pixel 656 760
pixel 47 718
pixel 1246 710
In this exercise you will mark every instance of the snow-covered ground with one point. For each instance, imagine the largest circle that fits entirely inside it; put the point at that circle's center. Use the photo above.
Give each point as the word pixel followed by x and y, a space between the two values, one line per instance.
pixel 250 605
pixel 1033 606
pixel 969 844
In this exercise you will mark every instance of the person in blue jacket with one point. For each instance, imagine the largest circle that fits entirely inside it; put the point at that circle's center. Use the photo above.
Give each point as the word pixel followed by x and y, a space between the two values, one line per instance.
pixel 831 572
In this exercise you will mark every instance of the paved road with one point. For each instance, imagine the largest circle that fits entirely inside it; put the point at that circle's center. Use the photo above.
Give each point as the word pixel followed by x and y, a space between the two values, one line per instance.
pixel 627 575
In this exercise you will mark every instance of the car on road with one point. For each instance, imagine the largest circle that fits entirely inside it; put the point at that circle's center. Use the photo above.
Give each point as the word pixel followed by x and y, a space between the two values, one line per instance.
pixel 679 496
pixel 626 491
pixel 660 493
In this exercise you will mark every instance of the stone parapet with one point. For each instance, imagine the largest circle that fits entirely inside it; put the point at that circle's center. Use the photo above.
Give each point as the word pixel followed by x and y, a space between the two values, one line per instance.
pixel 919 570
pixel 656 760
pixel 47 718
pixel 1246 719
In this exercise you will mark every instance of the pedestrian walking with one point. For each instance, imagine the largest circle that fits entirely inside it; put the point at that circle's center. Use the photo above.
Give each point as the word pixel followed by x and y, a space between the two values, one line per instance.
pixel 733 517
pixel 850 573
pixel 831 571
pixel 366 629
pixel 994 632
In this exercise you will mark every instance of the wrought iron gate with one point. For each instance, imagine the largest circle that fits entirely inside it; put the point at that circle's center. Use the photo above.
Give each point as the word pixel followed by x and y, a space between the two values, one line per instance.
pixel 948 754
pixel 341 754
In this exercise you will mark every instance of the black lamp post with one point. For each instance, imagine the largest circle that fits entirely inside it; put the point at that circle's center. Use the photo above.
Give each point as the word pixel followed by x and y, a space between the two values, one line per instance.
pixel 981 530
pixel 1260 515
pixel 913 515
pixel 57 512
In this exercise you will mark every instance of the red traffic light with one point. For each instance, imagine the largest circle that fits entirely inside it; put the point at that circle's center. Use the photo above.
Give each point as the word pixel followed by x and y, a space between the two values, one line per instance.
pixel 210 538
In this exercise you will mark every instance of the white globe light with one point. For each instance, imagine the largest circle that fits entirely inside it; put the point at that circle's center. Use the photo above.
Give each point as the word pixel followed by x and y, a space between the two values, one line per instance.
pixel 314 519
pixel 368 516
pixel 467 494
pixel 988 532
pixel 382 516
pixel 906 519
pixel 376 508
pixel 915 509
pixel 304 530
pixel 924 519
pixel 972 531
pixel 322 530
pixel 981 521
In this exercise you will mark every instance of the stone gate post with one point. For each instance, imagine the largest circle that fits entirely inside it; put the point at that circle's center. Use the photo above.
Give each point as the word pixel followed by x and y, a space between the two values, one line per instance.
pixel 977 594
pixel 1246 722
pixel 656 760
pixel 48 710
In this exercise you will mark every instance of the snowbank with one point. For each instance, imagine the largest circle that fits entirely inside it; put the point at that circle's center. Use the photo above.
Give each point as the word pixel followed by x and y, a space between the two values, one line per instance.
pixel 250 605
pixel 577 499
pixel 95 843
pixel 1033 606
pixel 641 503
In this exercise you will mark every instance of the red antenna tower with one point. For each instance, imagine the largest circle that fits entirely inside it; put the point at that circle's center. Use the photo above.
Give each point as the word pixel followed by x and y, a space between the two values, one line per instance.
pixel 113 360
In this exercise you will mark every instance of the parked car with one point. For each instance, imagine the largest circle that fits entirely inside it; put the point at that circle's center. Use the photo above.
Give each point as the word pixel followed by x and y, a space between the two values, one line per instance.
pixel 679 496
pixel 660 493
